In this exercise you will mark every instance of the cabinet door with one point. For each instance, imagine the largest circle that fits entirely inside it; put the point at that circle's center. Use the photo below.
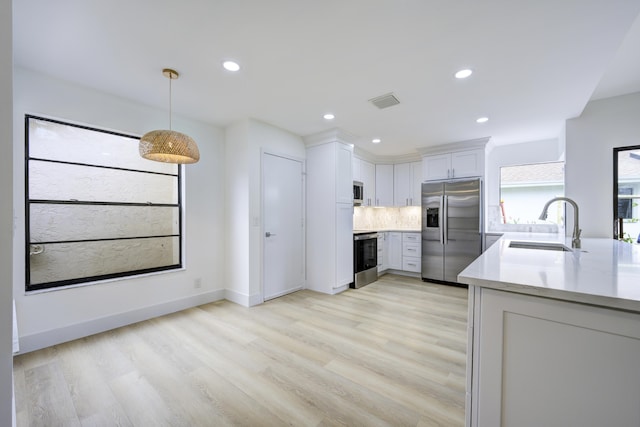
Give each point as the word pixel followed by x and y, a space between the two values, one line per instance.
pixel 368 178
pixel 344 175
pixel 356 169
pixel 344 244
pixel 436 167
pixel 411 264
pixel 384 185
pixel 395 250
pixel 402 188
pixel 579 363
pixel 416 183
pixel 411 250
pixel 467 163
pixel 382 263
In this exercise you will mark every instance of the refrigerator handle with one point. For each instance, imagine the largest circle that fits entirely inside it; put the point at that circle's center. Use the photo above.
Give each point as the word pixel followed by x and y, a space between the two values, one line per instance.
pixel 445 220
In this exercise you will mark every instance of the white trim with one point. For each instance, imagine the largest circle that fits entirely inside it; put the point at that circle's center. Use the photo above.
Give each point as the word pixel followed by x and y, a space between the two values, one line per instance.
pixel 52 337
pixel 455 146
pixel 339 289
pixel 242 299
pixel 331 135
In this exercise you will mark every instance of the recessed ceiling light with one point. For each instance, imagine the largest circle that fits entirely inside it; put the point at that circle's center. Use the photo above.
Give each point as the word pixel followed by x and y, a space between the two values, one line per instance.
pixel 463 74
pixel 482 119
pixel 231 65
pixel 329 116
pixel 376 140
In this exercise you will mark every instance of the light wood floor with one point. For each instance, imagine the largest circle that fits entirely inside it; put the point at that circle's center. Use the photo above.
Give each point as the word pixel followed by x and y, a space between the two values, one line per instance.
pixel 390 353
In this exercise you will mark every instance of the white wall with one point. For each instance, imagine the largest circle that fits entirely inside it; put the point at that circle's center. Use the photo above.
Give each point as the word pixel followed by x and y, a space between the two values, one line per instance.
pixel 590 139
pixel 51 317
pixel 549 150
pixel 245 141
pixel 237 213
pixel 6 214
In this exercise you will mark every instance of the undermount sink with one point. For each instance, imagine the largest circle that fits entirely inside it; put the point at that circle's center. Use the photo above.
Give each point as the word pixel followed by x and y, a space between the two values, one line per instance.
pixel 546 246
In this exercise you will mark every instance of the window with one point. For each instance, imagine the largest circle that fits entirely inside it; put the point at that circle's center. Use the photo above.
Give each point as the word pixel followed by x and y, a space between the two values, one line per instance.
pixel 95 209
pixel 626 193
pixel 524 190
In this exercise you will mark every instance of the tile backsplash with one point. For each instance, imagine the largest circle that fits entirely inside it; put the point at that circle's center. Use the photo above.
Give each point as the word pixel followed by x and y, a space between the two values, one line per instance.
pixel 405 218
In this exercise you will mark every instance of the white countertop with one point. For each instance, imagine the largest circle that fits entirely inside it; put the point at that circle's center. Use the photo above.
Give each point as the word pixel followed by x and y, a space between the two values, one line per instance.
pixel 603 272
pixel 384 230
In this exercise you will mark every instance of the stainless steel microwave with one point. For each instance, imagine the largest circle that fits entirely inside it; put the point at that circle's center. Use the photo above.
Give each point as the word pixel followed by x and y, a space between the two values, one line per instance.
pixel 358 193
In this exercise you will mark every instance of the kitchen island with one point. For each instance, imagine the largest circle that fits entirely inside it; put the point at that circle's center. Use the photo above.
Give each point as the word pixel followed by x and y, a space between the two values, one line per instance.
pixel 554 336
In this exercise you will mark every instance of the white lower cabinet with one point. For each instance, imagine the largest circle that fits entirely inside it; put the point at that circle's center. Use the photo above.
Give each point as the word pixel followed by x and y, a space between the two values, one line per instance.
pixel 344 244
pixel 543 362
pixel 411 252
pixel 404 251
pixel 394 245
pixel 382 252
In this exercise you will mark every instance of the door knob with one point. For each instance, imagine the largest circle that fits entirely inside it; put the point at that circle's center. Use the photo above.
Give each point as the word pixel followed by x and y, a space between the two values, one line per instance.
pixel 269 234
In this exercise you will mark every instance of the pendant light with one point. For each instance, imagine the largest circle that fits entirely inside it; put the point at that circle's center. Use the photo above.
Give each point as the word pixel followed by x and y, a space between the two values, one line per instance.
pixel 169 146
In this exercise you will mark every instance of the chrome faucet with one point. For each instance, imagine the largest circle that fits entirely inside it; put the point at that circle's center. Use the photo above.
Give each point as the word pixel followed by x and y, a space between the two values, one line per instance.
pixel 575 238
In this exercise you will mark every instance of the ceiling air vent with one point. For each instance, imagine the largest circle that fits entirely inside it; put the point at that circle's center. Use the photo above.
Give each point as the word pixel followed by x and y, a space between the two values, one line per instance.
pixel 385 101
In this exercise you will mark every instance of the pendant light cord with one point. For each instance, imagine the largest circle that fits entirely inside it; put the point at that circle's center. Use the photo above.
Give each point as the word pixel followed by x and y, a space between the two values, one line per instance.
pixel 170 79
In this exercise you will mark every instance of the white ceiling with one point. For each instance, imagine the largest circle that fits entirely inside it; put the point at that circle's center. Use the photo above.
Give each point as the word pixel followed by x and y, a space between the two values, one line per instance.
pixel 536 63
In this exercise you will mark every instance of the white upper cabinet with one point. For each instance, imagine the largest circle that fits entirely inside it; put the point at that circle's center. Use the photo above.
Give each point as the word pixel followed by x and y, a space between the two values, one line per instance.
pixel 416 179
pixel 365 172
pixel 356 169
pixel 368 178
pixel 459 164
pixel 467 163
pixel 344 177
pixel 436 167
pixel 384 185
pixel 407 184
pixel 402 184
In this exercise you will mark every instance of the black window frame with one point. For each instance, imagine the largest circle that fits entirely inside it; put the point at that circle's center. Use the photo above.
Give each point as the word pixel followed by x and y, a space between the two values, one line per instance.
pixel 618 229
pixel 92 279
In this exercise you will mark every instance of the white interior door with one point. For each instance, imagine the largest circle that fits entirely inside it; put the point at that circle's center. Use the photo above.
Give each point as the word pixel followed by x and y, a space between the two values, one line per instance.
pixel 283 215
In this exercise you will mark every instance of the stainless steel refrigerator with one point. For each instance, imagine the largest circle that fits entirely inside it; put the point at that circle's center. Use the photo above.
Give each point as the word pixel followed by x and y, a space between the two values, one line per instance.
pixel 452 228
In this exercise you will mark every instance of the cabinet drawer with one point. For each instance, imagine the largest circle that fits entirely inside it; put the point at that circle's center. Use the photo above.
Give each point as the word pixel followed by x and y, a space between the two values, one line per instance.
pixel 411 250
pixel 411 264
pixel 411 237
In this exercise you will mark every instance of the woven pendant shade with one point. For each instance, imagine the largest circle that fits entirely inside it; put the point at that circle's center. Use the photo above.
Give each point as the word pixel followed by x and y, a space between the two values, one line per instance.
pixel 169 146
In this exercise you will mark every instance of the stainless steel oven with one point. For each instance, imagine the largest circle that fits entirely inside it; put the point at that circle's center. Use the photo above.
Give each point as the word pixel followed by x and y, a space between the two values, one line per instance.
pixel 365 258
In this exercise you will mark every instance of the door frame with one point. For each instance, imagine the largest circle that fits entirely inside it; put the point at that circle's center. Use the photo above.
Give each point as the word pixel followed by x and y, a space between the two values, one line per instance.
pixel 263 153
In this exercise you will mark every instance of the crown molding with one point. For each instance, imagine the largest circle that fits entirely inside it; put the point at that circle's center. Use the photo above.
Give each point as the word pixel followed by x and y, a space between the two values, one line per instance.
pixel 331 135
pixel 452 147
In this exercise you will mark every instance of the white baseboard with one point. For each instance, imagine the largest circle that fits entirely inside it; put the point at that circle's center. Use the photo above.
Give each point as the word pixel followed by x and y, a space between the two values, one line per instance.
pixel 401 273
pixel 45 339
pixel 242 299
pixel 339 289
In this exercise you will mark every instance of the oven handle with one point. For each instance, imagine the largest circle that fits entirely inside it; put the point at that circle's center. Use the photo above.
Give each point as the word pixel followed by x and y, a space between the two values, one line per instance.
pixel 365 236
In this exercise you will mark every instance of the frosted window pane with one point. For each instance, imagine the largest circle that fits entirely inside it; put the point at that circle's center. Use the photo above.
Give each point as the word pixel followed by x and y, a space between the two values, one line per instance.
pixel 56 141
pixel 98 233
pixel 68 261
pixel 50 222
pixel 56 181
